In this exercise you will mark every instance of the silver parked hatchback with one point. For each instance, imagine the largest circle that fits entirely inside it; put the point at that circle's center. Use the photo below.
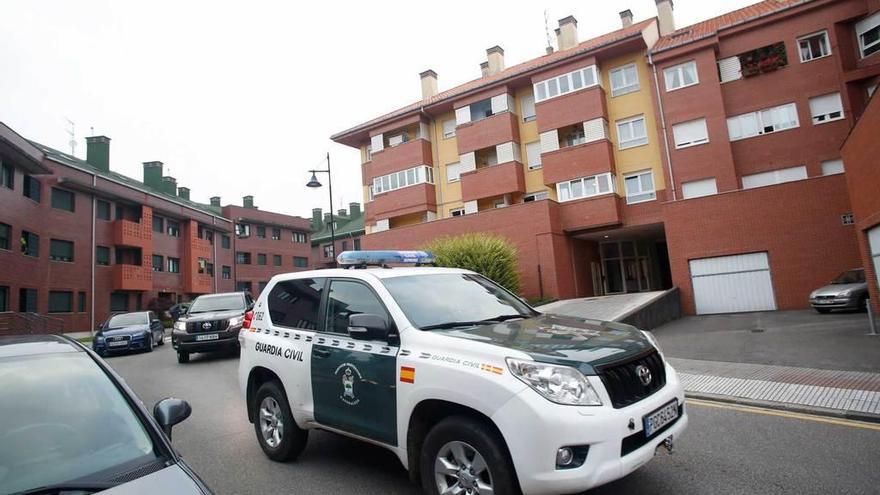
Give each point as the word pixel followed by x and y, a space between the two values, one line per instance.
pixel 847 291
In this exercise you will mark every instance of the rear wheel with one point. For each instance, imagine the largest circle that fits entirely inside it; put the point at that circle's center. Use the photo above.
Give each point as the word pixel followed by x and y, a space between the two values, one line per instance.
pixel 823 310
pixel 151 343
pixel 182 357
pixel 465 456
pixel 162 338
pixel 279 436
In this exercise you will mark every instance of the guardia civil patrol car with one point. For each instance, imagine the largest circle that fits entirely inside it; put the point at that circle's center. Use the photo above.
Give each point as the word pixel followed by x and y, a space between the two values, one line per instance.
pixel 473 390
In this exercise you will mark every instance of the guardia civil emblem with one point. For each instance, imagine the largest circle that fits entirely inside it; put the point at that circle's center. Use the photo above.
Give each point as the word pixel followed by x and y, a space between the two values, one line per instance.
pixel 348 375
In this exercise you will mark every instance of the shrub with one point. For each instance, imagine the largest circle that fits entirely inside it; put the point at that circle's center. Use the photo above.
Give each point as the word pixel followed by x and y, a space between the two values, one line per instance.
pixel 489 255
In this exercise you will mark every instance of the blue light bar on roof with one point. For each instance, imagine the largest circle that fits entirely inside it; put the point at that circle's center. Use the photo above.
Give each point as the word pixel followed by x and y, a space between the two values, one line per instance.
pixel 379 258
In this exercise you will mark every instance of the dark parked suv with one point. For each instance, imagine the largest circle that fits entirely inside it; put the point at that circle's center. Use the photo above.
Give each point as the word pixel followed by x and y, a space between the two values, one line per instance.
pixel 211 324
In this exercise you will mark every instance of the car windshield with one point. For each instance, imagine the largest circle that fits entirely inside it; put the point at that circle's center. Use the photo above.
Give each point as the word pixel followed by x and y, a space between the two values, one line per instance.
pixel 63 421
pixel 223 302
pixel 439 300
pixel 127 319
pixel 850 277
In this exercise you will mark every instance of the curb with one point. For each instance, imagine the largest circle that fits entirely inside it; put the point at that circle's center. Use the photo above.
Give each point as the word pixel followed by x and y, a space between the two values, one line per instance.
pixel 783 406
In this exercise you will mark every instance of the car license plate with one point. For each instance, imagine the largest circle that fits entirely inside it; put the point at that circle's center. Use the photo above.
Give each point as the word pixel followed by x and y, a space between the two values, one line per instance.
pixel 209 336
pixel 660 418
pixel 117 343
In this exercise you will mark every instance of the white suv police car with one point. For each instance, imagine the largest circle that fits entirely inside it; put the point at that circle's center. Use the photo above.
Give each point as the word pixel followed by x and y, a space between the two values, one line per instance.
pixel 474 391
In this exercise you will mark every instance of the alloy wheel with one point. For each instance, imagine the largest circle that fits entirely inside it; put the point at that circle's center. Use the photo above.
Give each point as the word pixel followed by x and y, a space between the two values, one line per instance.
pixel 271 422
pixel 460 469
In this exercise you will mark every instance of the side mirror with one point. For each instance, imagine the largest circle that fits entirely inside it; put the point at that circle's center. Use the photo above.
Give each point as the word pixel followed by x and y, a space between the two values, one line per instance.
pixel 169 412
pixel 368 327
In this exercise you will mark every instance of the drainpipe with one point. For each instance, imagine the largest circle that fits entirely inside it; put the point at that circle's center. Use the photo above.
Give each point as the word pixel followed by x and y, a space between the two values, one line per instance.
pixel 663 126
pixel 94 247
pixel 214 254
pixel 435 150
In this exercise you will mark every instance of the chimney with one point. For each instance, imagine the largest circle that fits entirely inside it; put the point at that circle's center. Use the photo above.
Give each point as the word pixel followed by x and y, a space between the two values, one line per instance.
pixel 666 21
pixel 342 212
pixel 247 201
pixel 169 185
pixel 429 84
pixel 567 34
pixel 354 209
pixel 327 218
pixel 98 152
pixel 495 56
pixel 316 219
pixel 153 175
pixel 484 69
pixel 183 192
pixel 626 18
pixel 215 200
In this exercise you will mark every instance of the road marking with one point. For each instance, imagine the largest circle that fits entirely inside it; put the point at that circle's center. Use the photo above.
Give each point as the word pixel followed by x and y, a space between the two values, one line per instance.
pixel 785 414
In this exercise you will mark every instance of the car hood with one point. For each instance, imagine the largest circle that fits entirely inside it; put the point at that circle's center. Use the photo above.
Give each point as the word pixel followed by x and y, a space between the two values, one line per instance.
pixel 212 315
pixel 834 289
pixel 172 479
pixel 129 330
pixel 578 342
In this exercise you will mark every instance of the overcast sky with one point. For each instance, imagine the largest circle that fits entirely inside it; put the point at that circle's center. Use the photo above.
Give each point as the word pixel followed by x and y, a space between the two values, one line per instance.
pixel 240 98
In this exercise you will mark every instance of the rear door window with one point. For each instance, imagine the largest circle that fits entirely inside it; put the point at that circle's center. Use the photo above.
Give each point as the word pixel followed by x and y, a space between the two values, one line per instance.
pixel 296 303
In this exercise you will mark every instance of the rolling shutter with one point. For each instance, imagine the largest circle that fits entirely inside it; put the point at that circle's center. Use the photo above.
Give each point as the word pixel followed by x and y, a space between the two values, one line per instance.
pixel 729 69
pixel 595 130
pixel 377 143
pixel 499 103
pixel 549 141
pixel 462 115
pixel 690 133
pixel 732 284
pixel 468 162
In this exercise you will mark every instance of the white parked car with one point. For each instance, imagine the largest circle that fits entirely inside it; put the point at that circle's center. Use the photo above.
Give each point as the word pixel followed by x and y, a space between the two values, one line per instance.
pixel 472 389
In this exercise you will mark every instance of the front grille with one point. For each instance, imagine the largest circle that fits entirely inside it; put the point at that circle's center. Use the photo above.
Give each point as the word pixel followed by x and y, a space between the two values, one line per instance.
pixel 622 381
pixel 198 326
pixel 637 440
pixel 826 297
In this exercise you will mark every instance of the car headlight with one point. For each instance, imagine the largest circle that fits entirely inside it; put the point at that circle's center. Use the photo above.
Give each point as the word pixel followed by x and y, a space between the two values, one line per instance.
pixel 236 321
pixel 99 338
pixel 180 325
pixel 845 293
pixel 559 384
pixel 653 340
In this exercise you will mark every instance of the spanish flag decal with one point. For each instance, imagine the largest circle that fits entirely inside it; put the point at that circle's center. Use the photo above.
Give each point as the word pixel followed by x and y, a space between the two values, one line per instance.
pixel 407 374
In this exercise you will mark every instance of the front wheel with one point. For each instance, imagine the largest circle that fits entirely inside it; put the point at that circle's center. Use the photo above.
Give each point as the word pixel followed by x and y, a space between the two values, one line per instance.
pixel 823 310
pixel 182 357
pixel 280 437
pixel 466 456
pixel 151 343
pixel 162 339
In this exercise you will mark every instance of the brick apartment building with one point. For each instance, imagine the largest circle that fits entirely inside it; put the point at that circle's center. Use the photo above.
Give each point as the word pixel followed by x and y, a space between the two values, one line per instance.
pixel 706 158
pixel 348 231
pixel 79 241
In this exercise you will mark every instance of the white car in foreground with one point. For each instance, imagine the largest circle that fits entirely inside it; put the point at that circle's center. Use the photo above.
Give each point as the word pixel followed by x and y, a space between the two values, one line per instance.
pixel 472 389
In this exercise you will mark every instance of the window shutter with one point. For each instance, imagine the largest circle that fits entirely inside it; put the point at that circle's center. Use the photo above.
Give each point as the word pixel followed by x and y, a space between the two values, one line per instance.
pixel 499 103
pixel 468 162
pixel 533 154
pixel 506 152
pixel 594 130
pixel 831 167
pixel 470 207
pixel 449 127
pixel 699 188
pixel 528 106
pixel 462 115
pixel 549 141
pixel 377 143
pixel 729 69
pixel 825 104
pixel 690 133
pixel 453 172
pixel 381 225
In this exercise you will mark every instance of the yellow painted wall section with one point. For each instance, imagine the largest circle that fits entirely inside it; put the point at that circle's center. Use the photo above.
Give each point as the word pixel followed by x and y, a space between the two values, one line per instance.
pixel 404 220
pixel 445 151
pixel 528 133
pixel 630 105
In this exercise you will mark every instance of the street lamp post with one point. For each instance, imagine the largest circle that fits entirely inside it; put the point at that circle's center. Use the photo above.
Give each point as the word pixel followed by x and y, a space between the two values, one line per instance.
pixel 315 183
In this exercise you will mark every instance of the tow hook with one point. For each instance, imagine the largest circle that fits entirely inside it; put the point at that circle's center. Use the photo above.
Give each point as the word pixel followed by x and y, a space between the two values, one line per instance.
pixel 669 445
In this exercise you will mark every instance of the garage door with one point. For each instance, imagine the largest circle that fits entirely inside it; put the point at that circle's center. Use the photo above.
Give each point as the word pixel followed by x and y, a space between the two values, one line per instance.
pixel 732 284
pixel 874 244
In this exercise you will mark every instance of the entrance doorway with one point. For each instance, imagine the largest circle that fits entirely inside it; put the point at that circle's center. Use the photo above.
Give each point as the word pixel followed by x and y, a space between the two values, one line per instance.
pixel 626 266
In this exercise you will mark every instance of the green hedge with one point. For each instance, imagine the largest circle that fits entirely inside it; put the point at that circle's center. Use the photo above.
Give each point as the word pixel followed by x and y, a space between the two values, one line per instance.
pixel 489 255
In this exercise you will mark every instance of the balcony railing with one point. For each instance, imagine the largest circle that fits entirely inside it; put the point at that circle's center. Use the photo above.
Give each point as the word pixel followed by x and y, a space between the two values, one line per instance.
pixel 132 234
pixel 488 132
pixel 491 181
pixel 581 160
pixel 132 277
pixel 412 199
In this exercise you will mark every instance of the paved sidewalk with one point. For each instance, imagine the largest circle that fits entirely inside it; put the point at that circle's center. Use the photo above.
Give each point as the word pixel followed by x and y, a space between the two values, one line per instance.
pixel 843 393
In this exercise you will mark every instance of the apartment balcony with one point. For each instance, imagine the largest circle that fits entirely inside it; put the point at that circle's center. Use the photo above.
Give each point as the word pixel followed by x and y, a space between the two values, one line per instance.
pixel 488 132
pixel 590 213
pixel 132 234
pixel 396 158
pixel 581 160
pixel 491 181
pixel 132 277
pixel 408 200
pixel 580 106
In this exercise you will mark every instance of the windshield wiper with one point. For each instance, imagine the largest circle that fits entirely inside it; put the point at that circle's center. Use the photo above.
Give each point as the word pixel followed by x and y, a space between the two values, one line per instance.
pixel 456 324
pixel 90 487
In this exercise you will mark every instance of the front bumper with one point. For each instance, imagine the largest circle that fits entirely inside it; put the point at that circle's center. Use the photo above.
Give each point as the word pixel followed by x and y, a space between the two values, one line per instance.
pixel 834 303
pixel 535 429
pixel 131 345
pixel 183 341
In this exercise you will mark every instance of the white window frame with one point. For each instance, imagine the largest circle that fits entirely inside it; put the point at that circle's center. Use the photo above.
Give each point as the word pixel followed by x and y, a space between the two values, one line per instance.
pixel 806 38
pixel 456 212
pixel 368 153
pixel 534 145
pixel 421 174
pixel 457 176
pixel 826 117
pixel 650 194
pixel 535 196
pixel 523 100
pixel 863 27
pixel 695 142
pixel 636 141
pixel 759 122
pixel 628 86
pixel 564 188
pixel 542 89
pixel 448 134
pixel 680 69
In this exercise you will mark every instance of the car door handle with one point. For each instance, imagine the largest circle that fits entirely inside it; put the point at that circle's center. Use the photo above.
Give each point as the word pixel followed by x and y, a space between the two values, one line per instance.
pixel 320 353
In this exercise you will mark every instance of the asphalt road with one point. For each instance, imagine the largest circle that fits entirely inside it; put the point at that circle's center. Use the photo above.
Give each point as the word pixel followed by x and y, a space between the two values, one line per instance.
pixel 725 450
